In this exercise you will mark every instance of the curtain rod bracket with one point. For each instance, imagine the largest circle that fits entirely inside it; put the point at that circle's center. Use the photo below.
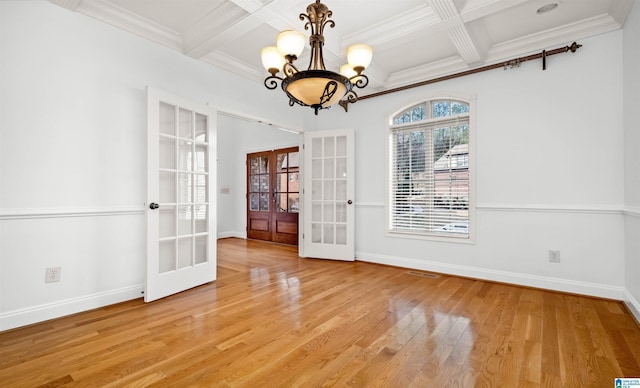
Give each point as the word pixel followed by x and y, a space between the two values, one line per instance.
pixel 512 64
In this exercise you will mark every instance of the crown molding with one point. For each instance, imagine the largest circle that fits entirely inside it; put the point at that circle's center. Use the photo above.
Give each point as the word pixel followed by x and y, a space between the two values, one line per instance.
pixel 424 72
pixel 571 32
pixel 121 18
pixel 620 9
pixel 68 4
pixel 231 64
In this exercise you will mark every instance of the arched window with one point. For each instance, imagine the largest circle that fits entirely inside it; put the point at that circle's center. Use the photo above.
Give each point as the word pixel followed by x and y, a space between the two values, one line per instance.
pixel 429 170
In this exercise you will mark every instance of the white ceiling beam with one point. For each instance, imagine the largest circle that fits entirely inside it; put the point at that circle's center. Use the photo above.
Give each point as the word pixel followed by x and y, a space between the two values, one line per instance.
pixel 476 9
pixel 467 49
pixel 395 27
pixel 446 9
pixel 215 30
pixel 458 32
pixel 250 6
pixel 274 15
pixel 204 36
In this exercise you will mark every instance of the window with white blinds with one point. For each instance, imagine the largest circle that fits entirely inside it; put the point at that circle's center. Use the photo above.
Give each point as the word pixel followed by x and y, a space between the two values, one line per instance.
pixel 429 180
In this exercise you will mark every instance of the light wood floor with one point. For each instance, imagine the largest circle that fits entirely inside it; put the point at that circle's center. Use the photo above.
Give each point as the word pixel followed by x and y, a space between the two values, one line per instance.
pixel 272 319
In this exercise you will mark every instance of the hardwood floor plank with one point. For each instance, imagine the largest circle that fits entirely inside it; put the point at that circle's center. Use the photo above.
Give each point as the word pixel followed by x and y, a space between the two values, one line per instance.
pixel 571 373
pixel 273 319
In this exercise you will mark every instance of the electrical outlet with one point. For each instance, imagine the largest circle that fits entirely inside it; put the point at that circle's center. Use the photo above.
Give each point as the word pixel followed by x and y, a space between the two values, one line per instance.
pixel 554 256
pixel 52 274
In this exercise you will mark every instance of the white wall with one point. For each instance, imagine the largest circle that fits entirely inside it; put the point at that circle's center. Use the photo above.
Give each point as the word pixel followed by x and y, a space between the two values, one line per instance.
pixel 72 153
pixel 631 161
pixel 240 138
pixel 550 163
pixel 550 174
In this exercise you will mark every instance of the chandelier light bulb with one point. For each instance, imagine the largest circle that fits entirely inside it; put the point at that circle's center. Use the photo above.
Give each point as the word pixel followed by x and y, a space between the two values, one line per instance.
pixel 347 70
pixel 359 56
pixel 291 43
pixel 271 59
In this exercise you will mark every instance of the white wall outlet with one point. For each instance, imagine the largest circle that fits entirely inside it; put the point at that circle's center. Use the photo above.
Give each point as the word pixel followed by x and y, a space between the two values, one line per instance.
pixel 52 274
pixel 554 256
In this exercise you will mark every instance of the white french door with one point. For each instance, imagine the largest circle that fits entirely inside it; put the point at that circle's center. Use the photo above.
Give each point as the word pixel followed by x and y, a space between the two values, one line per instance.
pixel 329 194
pixel 180 208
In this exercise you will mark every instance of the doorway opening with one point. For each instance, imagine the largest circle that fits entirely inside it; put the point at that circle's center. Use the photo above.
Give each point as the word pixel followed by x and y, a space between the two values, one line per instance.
pixel 273 195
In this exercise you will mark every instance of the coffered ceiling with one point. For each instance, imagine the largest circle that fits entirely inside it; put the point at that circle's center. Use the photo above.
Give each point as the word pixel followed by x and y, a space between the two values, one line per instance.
pixel 413 40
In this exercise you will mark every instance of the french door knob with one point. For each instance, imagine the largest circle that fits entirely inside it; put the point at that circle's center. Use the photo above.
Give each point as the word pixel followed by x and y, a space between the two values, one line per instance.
pixel 349 202
pixel 153 206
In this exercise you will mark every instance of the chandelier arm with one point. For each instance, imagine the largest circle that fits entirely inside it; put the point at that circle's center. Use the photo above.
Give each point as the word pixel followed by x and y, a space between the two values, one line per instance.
pixel 289 69
pixel 271 83
pixel 350 98
pixel 307 24
pixel 329 23
pixel 360 81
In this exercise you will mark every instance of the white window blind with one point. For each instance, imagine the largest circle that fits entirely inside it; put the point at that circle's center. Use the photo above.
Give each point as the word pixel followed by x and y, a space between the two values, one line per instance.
pixel 429 177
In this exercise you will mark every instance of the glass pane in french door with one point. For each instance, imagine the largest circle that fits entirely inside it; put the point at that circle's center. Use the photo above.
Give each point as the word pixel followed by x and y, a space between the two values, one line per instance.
pixel 183 188
pixel 259 184
pixel 329 190
pixel 287 182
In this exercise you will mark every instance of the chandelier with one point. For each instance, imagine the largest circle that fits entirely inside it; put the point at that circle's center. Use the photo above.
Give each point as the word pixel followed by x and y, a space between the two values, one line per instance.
pixel 315 87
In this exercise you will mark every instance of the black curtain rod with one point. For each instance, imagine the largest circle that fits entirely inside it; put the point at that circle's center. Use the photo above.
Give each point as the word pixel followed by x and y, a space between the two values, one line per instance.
pixel 510 63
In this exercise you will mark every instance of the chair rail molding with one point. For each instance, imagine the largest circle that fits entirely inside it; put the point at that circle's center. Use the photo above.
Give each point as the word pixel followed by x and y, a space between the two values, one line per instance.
pixel 592 209
pixel 59 212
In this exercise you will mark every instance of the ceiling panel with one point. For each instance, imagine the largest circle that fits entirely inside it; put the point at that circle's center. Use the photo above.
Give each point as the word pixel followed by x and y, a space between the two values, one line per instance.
pixel 247 47
pixel 413 40
pixel 414 50
pixel 176 15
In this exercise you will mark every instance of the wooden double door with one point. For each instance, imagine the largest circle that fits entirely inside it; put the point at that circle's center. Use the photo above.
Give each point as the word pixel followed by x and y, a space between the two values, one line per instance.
pixel 273 195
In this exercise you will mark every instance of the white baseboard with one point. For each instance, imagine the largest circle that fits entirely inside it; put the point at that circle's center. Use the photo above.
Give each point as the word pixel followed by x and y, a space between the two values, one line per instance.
pixel 549 283
pixel 44 312
pixel 633 304
pixel 242 235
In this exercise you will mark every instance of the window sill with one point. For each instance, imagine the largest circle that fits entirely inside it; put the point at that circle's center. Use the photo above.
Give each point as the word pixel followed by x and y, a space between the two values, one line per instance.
pixel 431 237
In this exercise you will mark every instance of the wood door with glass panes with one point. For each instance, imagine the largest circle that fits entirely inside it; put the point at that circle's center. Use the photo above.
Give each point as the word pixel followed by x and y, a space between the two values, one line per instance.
pixel 273 195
